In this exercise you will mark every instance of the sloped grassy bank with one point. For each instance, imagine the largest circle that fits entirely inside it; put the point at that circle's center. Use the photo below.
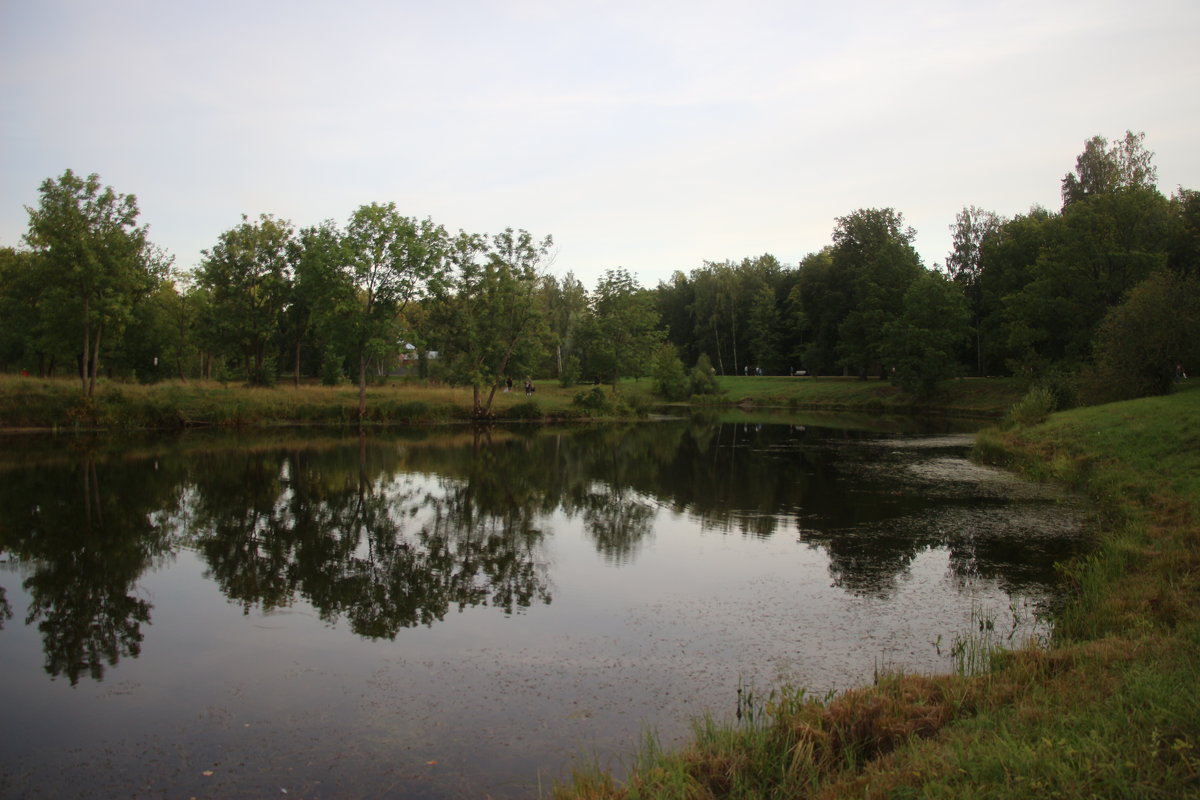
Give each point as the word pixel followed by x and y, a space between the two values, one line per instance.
pixel 1110 709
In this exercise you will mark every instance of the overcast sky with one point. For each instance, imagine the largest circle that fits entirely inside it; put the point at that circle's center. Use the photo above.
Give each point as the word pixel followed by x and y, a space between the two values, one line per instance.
pixel 646 135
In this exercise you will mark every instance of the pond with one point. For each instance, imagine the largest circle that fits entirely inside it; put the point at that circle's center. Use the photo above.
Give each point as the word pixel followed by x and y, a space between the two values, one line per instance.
pixel 450 612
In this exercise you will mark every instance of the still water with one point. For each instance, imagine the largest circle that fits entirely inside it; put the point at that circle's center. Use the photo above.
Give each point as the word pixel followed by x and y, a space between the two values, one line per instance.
pixel 458 613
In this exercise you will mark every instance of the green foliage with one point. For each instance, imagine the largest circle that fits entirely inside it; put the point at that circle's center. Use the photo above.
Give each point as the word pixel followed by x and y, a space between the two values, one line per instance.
pixel 923 343
pixel 595 399
pixel 670 380
pixel 526 410
pixel 703 378
pixel 1033 409
pixel 624 330
pixel 248 276
pixel 1142 343
pixel 872 255
pixel 571 373
pixel 94 261
pixel 485 314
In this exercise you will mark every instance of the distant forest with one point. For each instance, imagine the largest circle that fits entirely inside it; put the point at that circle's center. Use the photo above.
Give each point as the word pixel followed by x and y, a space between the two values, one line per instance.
pixel 1098 300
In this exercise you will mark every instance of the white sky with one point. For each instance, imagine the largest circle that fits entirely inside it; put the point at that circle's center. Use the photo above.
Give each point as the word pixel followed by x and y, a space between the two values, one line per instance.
pixel 642 134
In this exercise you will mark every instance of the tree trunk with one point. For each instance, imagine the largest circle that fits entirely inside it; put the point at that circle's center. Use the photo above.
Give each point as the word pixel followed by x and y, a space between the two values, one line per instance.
pixel 91 392
pixel 296 376
pixel 85 360
pixel 362 385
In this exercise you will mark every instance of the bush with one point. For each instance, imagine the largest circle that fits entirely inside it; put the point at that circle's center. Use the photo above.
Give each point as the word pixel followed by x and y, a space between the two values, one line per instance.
pixel 1034 407
pixel 527 410
pixel 703 379
pixel 594 400
pixel 670 380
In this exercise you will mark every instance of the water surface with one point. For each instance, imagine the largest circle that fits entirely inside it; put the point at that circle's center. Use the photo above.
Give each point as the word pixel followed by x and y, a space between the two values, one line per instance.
pixel 454 613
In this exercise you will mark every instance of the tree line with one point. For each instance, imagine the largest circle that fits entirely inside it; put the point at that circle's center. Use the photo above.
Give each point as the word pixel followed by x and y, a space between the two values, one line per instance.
pixel 1098 299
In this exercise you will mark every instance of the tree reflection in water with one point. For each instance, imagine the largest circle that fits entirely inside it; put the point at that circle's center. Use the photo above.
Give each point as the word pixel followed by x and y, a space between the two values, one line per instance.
pixel 393 531
pixel 82 534
pixel 362 540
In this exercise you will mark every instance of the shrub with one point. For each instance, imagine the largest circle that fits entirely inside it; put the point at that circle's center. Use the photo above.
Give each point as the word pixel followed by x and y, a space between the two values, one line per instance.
pixel 1034 407
pixel 670 380
pixel 527 410
pixel 703 379
pixel 594 400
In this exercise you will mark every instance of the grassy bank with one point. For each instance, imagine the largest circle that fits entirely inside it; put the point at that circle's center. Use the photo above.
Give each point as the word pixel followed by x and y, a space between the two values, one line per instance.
pixel 57 404
pixel 1110 709
pixel 978 397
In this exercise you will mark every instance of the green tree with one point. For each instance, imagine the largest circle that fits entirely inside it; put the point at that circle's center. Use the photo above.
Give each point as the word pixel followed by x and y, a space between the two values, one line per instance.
pixel 1006 266
pixel 1094 252
pixel 1141 342
pixel 818 302
pixel 626 326
pixel 924 341
pixel 1185 232
pixel 566 304
pixel 97 261
pixel 1101 169
pixel 489 321
pixel 675 302
pixel 972 227
pixel 320 287
pixel 24 336
pixel 670 378
pixel 872 255
pixel 248 275
pixel 392 261
pixel 763 323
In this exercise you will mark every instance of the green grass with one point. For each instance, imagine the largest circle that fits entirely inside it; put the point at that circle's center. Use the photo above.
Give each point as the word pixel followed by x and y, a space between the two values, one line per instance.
pixel 1111 708
pixel 57 403
pixel 984 397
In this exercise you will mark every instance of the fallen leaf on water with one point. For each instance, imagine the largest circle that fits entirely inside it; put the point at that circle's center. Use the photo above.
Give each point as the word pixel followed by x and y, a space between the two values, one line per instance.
pixel 430 763
pixel 207 773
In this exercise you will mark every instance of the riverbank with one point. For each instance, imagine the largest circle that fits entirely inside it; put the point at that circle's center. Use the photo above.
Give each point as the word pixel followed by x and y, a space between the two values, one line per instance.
pixel 1109 709
pixel 56 404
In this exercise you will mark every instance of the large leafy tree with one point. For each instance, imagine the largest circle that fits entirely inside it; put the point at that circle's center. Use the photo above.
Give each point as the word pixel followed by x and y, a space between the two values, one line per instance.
pixel 392 261
pixel 923 342
pixel 320 287
pixel 489 321
pixel 248 274
pixel 872 255
pixel 626 326
pixel 1006 265
pixel 566 304
pixel 972 227
pixel 1095 251
pixel 96 262
pixel 1143 341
